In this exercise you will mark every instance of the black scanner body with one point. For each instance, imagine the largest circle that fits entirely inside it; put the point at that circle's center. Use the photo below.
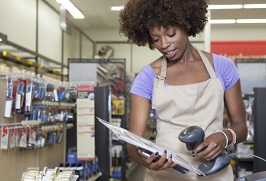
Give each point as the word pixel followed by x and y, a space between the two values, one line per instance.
pixel 192 136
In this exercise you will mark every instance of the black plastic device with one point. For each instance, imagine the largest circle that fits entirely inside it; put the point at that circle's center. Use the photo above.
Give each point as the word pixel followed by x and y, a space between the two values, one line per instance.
pixel 192 137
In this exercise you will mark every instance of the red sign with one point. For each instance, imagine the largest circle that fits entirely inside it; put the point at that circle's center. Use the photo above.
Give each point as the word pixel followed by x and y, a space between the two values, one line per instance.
pixel 239 48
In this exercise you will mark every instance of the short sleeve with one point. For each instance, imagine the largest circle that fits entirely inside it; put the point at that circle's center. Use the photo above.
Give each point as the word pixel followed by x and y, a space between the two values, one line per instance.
pixel 143 83
pixel 227 70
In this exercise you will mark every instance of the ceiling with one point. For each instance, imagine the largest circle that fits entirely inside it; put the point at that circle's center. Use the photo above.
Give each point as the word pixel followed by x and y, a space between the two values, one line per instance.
pixel 98 15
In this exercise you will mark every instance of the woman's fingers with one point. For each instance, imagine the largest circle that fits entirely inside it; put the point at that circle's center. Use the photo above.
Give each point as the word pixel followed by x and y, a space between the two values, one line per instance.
pixel 210 148
pixel 157 165
pixel 153 158
pixel 201 147
pixel 169 163
pixel 213 154
pixel 157 162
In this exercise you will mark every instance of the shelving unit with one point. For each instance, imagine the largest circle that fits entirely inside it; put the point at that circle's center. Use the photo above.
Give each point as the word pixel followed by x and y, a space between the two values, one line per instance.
pixel 254 99
pixel 94 178
pixel 244 162
pixel 31 155
pixel 260 127
pixel 111 80
pixel 14 54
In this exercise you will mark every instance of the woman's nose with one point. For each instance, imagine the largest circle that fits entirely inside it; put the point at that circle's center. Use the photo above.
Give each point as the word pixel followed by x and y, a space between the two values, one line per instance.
pixel 164 43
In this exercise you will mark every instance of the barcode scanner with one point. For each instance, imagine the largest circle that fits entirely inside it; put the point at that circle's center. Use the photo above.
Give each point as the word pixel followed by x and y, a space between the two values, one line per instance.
pixel 192 136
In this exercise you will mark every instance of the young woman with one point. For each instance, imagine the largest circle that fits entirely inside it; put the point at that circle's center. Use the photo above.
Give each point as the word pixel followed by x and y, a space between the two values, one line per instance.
pixel 185 86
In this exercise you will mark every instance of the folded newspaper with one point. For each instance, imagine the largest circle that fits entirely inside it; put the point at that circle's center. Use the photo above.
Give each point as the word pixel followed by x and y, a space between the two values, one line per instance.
pixel 126 136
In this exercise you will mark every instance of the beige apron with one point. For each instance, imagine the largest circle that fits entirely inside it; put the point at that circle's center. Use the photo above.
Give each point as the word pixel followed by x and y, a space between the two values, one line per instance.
pixel 180 106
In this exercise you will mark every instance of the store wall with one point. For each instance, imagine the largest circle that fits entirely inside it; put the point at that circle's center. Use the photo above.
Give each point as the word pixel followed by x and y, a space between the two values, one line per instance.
pixel 50 34
pixel 238 32
pixel 120 50
pixel 86 47
pixel 18 22
pixel 71 45
pixel 139 56
pixel 142 56
pixel 105 35
pixel 136 56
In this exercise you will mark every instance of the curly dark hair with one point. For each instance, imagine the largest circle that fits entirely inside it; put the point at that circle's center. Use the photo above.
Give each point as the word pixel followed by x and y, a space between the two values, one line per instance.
pixel 139 16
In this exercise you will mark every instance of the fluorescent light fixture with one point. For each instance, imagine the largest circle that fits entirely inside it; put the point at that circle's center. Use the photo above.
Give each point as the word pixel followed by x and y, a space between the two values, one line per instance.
pixel 225 6
pixel 251 21
pixel 117 8
pixel 71 8
pixel 254 6
pixel 240 21
pixel 1 39
pixel 222 21
pixel 215 6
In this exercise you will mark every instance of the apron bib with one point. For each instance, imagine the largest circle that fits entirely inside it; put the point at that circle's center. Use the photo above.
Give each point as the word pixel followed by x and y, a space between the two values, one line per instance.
pixel 180 106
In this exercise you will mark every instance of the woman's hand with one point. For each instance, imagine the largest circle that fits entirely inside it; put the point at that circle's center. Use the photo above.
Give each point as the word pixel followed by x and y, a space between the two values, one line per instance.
pixel 211 147
pixel 157 162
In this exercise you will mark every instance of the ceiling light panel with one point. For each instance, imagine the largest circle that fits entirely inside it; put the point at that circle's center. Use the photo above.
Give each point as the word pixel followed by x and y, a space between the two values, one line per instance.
pixel 225 6
pixel 117 8
pixel 254 6
pixel 222 21
pixel 71 8
pixel 251 21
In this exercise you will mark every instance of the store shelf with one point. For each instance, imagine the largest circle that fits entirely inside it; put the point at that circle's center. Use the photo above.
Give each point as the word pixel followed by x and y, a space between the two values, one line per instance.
pixel 95 177
pixel 55 104
pixel 8 56
pixel 31 123
pixel 12 53
pixel 248 142
pixel 114 179
pixel 243 159
pixel 37 122
pixel 69 125
pixel 117 116
pixel 117 142
pixel 70 168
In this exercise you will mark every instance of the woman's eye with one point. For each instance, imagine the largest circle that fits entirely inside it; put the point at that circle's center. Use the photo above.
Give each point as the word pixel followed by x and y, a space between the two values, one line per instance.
pixel 155 40
pixel 172 34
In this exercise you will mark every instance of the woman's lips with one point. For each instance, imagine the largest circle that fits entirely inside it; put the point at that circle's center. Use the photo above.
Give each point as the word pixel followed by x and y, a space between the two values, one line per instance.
pixel 170 54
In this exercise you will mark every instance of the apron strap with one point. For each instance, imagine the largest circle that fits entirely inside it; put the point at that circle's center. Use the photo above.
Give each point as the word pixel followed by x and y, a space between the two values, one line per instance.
pixel 162 76
pixel 207 64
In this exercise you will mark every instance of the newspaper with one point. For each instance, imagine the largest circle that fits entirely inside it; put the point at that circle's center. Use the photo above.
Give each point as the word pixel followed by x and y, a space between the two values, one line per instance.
pixel 130 138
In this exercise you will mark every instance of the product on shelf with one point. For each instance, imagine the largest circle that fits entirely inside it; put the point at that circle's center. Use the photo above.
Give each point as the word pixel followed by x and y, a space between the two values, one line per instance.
pixel 34 109
pixel 118 105
pixel 9 99
pixel 85 121
pixel 116 168
pixel 48 174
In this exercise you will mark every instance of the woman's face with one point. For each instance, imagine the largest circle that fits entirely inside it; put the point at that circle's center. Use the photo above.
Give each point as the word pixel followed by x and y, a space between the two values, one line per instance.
pixel 170 41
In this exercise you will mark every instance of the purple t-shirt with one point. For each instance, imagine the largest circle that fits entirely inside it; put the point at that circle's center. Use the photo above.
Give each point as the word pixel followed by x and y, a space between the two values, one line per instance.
pixel 224 67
